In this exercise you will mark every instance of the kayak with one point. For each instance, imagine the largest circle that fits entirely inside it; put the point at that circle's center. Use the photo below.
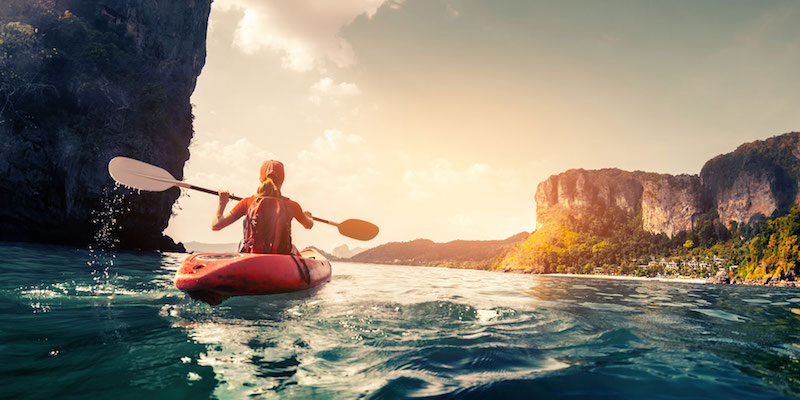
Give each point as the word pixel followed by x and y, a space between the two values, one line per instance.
pixel 214 277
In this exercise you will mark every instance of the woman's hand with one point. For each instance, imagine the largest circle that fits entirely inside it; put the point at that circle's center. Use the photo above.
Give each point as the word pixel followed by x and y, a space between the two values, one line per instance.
pixel 220 220
pixel 224 197
pixel 308 223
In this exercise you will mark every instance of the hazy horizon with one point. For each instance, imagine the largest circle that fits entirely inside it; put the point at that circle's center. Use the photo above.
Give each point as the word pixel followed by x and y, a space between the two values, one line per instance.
pixel 437 119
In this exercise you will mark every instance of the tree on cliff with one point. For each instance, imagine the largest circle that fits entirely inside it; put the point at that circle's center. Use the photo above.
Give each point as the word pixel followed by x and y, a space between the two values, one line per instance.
pixel 21 61
pixel 598 237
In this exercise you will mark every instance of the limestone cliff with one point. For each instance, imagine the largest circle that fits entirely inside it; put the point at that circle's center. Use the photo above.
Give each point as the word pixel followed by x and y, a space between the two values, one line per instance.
pixel 83 81
pixel 671 204
pixel 668 204
pixel 758 179
pixel 579 189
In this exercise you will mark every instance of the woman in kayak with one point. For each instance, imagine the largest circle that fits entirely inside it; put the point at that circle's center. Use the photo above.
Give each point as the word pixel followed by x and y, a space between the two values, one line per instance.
pixel 268 215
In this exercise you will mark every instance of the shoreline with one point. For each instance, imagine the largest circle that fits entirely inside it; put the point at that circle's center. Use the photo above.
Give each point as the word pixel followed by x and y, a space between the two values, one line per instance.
pixel 709 281
pixel 634 278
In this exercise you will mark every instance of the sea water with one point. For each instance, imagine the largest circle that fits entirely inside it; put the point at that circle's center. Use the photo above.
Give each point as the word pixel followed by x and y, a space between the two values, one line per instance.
pixel 77 323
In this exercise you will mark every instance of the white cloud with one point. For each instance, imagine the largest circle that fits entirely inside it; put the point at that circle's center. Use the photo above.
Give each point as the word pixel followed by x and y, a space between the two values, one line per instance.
pixel 335 147
pixel 233 165
pixel 441 177
pixel 306 32
pixel 327 90
pixel 336 163
pixel 227 153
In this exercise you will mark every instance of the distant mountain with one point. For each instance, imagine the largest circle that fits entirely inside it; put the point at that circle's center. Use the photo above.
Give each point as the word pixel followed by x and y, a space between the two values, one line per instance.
pixel 197 247
pixel 427 252
pixel 344 251
pixel 324 253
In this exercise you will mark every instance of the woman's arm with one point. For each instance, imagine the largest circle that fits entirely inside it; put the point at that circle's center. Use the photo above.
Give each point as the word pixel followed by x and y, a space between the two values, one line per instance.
pixel 220 219
pixel 303 217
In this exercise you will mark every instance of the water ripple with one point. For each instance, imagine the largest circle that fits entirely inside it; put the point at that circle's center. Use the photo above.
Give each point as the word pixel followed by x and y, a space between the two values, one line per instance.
pixel 374 333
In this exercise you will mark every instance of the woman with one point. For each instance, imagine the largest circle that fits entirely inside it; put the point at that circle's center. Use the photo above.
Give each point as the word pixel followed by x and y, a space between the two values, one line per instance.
pixel 268 215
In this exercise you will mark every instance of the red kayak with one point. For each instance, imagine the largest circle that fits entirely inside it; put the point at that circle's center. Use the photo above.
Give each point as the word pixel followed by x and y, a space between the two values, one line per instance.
pixel 215 277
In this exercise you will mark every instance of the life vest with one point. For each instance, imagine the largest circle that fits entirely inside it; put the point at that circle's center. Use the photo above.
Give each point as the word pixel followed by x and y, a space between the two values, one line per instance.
pixel 268 227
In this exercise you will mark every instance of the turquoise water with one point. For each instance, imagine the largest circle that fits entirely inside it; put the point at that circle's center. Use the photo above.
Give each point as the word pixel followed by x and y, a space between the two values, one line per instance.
pixel 81 324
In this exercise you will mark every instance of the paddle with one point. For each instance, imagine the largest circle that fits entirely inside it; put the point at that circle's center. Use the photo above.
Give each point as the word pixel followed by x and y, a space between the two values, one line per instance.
pixel 143 176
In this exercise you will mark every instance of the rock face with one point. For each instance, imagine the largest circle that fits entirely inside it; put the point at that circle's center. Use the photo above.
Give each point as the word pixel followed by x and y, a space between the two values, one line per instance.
pixel 722 277
pixel 669 204
pixel 84 81
pixel 757 180
pixel 579 189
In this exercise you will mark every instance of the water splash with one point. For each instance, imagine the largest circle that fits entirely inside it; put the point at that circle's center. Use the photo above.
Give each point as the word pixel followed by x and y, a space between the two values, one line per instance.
pixel 102 254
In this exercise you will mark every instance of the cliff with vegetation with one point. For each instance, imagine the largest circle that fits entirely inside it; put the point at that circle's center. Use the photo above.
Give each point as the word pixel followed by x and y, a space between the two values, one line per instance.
pixel 457 253
pixel 758 180
pixel 738 209
pixel 82 81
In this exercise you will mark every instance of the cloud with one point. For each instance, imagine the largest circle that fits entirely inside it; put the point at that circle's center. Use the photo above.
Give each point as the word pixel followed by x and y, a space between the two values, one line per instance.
pixel 306 32
pixel 327 90
pixel 233 164
pixel 441 177
pixel 240 154
pixel 335 148
pixel 240 149
pixel 337 164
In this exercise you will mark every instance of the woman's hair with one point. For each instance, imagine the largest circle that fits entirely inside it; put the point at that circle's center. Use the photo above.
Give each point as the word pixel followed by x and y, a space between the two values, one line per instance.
pixel 274 170
pixel 268 189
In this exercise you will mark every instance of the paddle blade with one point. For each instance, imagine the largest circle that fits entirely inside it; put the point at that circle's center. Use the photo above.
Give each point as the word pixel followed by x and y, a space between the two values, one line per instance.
pixel 139 175
pixel 358 229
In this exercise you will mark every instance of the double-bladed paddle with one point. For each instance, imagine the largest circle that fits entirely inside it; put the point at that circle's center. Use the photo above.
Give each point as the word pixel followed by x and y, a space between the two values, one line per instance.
pixel 143 176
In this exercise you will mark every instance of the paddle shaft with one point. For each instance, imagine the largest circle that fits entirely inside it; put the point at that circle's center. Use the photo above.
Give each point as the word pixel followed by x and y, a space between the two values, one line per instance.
pixel 232 197
pixel 325 221
pixel 209 191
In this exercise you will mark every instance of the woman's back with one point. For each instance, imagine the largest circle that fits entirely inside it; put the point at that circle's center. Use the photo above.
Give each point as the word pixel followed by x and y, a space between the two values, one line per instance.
pixel 268 226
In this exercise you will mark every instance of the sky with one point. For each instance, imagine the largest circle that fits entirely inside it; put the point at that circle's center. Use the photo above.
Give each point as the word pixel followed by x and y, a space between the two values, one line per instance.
pixel 438 118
